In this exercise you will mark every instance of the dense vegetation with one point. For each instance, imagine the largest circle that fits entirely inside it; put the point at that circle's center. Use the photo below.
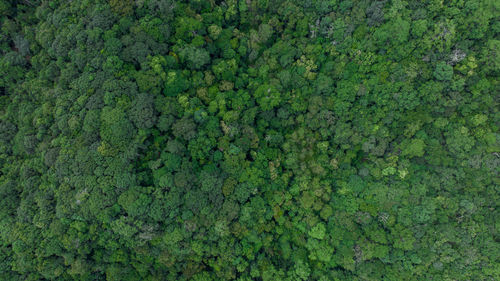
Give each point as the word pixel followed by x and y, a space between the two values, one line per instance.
pixel 249 140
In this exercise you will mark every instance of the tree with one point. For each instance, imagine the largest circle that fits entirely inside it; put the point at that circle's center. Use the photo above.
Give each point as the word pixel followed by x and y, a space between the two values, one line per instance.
pixel 123 8
pixel 184 128
pixel 175 83
pixel 116 129
pixel 414 148
pixel 142 112
pixel 134 202
pixel 318 231
pixel 443 71
pixel 195 58
pixel 267 97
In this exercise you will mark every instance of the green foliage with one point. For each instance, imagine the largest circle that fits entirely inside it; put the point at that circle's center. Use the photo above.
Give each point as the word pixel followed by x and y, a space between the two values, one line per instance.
pixel 116 129
pixel 249 140
pixel 122 7
pixel 318 231
pixel 443 71
pixel 195 58
pixel 414 148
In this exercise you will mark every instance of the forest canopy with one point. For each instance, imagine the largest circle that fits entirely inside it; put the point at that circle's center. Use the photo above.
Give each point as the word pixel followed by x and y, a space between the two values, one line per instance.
pixel 249 140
